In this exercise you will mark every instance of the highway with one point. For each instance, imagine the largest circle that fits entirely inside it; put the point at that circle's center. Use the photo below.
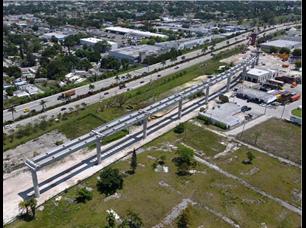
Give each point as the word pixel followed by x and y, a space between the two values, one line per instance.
pixel 53 100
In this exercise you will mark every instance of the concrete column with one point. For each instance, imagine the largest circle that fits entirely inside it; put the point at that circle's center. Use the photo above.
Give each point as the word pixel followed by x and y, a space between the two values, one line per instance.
pixel 35 183
pixel 244 71
pixel 180 109
pixel 98 145
pixel 257 59
pixel 228 83
pixel 207 94
pixel 145 123
pixel 253 64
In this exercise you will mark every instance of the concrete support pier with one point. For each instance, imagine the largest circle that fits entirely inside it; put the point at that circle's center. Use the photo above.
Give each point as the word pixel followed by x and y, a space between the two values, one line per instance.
pixel 145 123
pixel 98 145
pixel 228 83
pixel 180 106
pixel 207 95
pixel 35 183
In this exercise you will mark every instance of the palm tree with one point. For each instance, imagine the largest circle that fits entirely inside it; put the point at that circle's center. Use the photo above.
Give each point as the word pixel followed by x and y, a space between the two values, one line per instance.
pixel 32 204
pixel 23 206
pixel 43 104
pixel 12 110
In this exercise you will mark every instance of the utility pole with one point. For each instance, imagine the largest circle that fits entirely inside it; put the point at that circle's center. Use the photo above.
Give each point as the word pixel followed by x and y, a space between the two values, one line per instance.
pixel 283 110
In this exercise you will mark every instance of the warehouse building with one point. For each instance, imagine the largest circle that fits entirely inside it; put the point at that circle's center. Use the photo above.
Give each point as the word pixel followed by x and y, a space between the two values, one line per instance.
pixel 133 32
pixel 281 44
pixel 259 75
pixel 226 114
pixel 183 43
pixel 255 95
pixel 92 41
pixel 135 53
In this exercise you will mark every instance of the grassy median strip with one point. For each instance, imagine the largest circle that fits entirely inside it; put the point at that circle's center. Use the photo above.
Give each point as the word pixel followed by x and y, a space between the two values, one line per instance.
pixel 115 106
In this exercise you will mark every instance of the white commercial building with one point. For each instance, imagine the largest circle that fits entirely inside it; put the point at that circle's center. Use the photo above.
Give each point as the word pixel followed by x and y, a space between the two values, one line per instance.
pixel 281 44
pixel 133 32
pixel 92 41
pixel 259 75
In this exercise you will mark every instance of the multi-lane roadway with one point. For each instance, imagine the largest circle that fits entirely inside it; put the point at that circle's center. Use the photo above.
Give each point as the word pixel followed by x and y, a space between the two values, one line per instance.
pixel 196 57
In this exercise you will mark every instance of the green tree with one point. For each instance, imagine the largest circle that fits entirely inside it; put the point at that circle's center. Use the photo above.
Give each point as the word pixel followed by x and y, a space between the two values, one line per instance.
pixel 132 220
pixel 125 64
pixel 184 219
pixel 133 161
pixel 111 222
pixel 84 195
pixel 250 156
pixel 184 161
pixel 179 129
pixel 284 50
pixel 102 46
pixel 297 52
pixel 110 181
pixel 298 64
pixel 12 71
pixel 32 205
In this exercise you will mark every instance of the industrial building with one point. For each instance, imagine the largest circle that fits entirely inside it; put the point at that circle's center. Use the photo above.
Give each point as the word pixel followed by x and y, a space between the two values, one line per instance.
pixel 135 53
pixel 225 114
pixel 92 41
pixel 59 36
pixel 255 95
pixel 183 43
pixel 259 75
pixel 133 32
pixel 281 44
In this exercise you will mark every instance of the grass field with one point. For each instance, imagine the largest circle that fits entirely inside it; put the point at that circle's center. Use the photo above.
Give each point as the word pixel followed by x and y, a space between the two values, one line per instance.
pixel 297 112
pixel 265 172
pixel 276 136
pixel 135 99
pixel 143 194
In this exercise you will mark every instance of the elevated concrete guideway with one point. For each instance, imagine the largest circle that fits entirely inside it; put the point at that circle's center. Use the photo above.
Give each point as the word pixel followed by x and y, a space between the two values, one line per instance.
pixel 128 120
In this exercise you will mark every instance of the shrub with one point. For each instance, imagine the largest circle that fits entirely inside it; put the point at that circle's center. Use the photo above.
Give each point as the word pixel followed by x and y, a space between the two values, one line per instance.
pixel 84 195
pixel 179 129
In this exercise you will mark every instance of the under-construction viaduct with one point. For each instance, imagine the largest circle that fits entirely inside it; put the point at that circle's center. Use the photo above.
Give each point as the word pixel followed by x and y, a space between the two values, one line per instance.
pixel 141 116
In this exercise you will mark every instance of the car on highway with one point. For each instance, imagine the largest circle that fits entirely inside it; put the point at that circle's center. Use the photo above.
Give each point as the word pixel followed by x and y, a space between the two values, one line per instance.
pixel 106 93
pixel 63 109
pixel 26 110
pixel 141 82
pixel 176 67
pixel 158 75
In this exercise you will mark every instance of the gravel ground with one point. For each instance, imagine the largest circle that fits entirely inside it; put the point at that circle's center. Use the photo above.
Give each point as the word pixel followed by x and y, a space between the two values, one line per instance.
pixel 14 159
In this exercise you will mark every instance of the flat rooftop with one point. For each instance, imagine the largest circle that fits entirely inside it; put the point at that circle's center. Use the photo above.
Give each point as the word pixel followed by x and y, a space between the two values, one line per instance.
pixel 257 72
pixel 225 113
pixel 134 31
pixel 281 43
pixel 135 50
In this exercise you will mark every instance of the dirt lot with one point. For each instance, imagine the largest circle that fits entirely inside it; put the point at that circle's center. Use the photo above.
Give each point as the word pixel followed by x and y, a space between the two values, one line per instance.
pixel 14 158
pixel 276 136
